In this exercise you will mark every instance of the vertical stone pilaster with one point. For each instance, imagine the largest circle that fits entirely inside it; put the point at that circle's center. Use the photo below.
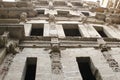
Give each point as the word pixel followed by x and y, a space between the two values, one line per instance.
pixel 28 28
pixel 60 31
pixel 55 56
pixel 46 30
pixel 83 31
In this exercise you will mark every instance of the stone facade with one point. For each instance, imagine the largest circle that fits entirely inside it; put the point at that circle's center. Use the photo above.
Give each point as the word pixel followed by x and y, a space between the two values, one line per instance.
pixel 111 4
pixel 59 40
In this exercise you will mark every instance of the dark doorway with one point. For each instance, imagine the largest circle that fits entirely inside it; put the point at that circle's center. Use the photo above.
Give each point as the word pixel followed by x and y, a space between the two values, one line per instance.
pixel 37 30
pixel 31 64
pixel 85 68
pixel 71 30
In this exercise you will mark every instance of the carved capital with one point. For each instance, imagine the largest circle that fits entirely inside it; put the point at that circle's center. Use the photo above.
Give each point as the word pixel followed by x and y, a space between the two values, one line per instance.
pixel 12 47
pixel 52 18
pixel 23 17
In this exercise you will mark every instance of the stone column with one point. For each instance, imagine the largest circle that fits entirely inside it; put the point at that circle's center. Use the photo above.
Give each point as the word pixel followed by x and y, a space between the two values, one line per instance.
pixel 118 4
pixel 115 3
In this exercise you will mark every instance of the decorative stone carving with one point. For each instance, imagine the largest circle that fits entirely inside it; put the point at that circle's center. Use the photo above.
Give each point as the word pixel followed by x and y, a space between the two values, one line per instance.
pixel 108 20
pixel 12 47
pixel 83 19
pixel 23 17
pixel 51 7
pixel 69 4
pixel 2 42
pixel 56 68
pixel 104 48
pixel 100 16
pixel 4 39
pixel 55 56
pixel 51 18
pixel 112 62
pixel 113 18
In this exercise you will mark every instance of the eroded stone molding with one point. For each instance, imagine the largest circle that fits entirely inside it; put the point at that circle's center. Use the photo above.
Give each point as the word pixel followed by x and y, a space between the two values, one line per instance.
pixel 5 66
pixel 111 61
pixel 51 6
pixel 9 46
pixel 105 51
pixel 12 47
pixel 108 17
pixel 4 39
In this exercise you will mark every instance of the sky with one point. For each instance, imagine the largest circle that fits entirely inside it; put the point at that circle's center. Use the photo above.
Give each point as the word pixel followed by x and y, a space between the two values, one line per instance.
pixel 14 0
pixel 9 0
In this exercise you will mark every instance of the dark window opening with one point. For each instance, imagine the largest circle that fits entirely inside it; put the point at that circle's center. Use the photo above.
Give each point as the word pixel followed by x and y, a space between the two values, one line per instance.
pixel 63 13
pixel 71 30
pixel 40 12
pixel 31 64
pixel 37 30
pixel 43 3
pixel 59 3
pixel 100 31
pixel 77 4
pixel 86 13
pixel 84 64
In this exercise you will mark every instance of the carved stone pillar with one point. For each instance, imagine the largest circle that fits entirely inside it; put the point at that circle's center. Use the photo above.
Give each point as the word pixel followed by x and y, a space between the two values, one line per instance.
pixel 55 56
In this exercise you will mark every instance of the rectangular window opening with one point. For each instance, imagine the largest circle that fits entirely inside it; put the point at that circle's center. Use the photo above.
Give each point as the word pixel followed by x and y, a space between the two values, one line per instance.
pixel 31 64
pixel 63 13
pixel 40 12
pixel 43 3
pixel 85 69
pixel 59 3
pixel 85 13
pixel 76 4
pixel 37 30
pixel 71 30
pixel 100 31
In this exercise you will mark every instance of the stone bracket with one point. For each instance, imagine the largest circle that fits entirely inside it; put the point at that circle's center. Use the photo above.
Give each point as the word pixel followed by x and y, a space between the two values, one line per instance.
pixel 102 45
pixel 12 47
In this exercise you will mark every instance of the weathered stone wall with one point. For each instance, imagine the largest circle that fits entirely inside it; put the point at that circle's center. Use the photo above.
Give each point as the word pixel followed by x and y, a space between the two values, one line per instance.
pixel 69 64
pixel 56 52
